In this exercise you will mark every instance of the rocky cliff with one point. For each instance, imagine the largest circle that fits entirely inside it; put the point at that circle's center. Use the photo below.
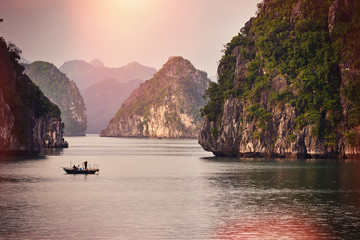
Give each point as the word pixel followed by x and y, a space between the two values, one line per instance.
pixel 289 84
pixel 28 120
pixel 168 105
pixel 63 92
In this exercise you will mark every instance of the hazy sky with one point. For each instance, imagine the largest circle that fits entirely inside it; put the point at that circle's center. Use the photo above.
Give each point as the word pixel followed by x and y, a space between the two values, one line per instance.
pixel 121 31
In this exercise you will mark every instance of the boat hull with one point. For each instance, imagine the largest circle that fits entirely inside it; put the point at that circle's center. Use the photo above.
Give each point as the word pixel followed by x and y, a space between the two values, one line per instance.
pixel 82 171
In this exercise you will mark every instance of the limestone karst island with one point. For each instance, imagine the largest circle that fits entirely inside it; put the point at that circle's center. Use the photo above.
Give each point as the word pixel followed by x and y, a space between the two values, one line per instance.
pixel 29 121
pixel 288 84
pixel 168 105
pixel 180 119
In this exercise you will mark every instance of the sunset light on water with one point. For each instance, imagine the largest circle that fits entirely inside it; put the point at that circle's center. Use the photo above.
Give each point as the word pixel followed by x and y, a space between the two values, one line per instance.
pixel 169 119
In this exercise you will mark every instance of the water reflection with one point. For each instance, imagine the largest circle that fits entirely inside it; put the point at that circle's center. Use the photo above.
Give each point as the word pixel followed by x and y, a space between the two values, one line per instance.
pixel 19 159
pixel 272 226
pixel 266 199
pixel 51 152
pixel 171 192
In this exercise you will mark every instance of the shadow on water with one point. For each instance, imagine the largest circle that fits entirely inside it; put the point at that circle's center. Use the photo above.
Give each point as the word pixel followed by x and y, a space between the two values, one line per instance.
pixel 51 152
pixel 42 156
pixel 14 159
pixel 19 170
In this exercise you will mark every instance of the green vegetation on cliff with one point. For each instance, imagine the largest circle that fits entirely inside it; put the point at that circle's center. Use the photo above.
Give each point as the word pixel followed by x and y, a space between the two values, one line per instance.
pixel 346 34
pixel 179 83
pixel 61 91
pixel 168 105
pixel 291 39
pixel 22 104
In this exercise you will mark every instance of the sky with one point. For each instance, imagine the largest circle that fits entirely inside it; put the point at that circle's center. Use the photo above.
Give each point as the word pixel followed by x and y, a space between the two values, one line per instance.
pixel 122 31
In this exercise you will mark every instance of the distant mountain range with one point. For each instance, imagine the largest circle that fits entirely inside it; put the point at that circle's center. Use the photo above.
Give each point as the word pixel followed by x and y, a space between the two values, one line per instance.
pixel 103 99
pixel 86 74
pixel 104 89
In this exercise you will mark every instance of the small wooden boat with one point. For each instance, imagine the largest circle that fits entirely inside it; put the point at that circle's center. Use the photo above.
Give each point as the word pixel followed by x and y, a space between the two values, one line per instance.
pixel 80 171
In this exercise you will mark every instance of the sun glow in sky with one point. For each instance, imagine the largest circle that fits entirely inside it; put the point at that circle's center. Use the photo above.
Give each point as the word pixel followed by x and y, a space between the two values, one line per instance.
pixel 122 31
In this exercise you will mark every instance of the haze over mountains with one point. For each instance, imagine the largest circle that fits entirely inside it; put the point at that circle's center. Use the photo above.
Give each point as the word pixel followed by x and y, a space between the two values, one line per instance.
pixel 104 89
pixel 288 85
pixel 104 99
pixel 85 74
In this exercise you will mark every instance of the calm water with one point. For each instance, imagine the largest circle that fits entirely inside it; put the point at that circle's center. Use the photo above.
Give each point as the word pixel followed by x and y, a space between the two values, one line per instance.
pixel 172 189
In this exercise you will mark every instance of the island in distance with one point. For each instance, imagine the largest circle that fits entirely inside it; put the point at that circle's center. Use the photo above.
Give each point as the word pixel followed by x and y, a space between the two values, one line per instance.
pixel 168 105
pixel 63 92
pixel 104 89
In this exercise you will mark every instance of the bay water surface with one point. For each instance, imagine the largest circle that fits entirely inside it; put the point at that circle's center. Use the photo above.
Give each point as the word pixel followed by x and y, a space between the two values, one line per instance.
pixel 173 189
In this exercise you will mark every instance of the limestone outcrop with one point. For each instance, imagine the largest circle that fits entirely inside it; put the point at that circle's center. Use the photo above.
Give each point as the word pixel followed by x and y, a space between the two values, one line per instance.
pixel 63 92
pixel 289 84
pixel 28 120
pixel 168 105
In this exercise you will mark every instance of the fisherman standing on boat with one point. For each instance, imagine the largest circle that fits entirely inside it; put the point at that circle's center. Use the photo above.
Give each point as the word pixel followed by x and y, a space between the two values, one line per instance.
pixel 85 163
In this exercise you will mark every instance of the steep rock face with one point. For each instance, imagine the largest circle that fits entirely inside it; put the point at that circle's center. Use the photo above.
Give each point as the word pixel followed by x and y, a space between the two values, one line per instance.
pixel 103 99
pixel 165 106
pixel 87 74
pixel 63 92
pixel 345 30
pixel 288 84
pixel 28 120
pixel 340 9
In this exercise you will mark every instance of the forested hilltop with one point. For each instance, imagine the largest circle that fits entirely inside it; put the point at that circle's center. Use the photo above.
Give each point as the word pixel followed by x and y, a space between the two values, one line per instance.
pixel 168 105
pixel 28 120
pixel 289 83
pixel 63 92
